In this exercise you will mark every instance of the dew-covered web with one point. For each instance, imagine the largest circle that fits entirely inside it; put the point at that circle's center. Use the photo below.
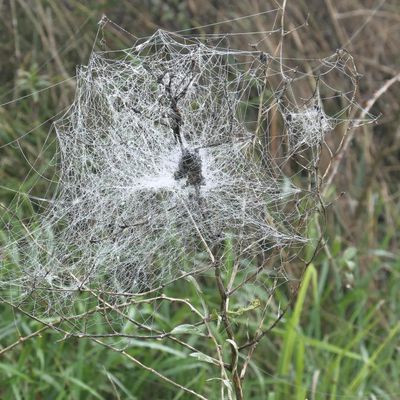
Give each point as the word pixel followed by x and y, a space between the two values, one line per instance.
pixel 170 149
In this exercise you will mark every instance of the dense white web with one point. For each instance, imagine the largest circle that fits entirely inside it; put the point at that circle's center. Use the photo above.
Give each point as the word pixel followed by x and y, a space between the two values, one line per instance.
pixel 166 153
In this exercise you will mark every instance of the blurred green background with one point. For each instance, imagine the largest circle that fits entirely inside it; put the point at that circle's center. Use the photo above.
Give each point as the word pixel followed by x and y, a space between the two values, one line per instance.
pixel 347 336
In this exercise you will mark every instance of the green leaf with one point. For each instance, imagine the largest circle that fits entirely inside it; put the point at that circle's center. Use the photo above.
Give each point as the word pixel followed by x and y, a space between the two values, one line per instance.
pixel 349 253
pixel 193 281
pixel 203 357
pixel 189 329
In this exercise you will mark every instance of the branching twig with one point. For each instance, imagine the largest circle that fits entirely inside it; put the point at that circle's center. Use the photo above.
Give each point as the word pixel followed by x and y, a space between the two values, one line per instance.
pixel 147 368
pixel 349 134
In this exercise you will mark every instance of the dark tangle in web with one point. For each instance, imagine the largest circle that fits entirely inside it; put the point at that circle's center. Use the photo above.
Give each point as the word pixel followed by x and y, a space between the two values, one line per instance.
pixel 189 167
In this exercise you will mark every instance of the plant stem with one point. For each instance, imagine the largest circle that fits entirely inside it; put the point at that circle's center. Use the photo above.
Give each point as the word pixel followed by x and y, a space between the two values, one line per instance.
pixel 237 383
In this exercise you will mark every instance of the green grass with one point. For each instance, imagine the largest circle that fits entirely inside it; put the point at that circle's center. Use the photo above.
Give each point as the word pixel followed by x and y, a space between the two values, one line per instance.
pixel 333 344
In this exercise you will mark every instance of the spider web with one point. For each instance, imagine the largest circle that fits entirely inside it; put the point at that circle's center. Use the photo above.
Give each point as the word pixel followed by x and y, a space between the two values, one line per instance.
pixel 171 149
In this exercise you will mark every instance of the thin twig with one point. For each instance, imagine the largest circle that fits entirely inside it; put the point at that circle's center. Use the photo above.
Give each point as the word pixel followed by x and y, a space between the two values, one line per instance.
pixel 147 368
pixel 349 134
pixel 225 320
pixel 23 339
